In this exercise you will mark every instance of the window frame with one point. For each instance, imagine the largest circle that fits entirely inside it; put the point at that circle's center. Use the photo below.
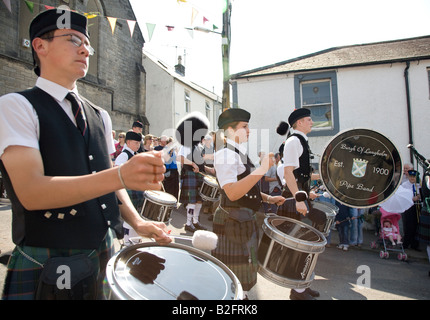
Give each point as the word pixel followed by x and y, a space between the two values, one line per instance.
pixel 330 76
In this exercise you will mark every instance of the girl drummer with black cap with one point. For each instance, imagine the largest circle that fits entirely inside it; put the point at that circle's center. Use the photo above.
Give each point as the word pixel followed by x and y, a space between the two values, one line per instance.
pixel 235 219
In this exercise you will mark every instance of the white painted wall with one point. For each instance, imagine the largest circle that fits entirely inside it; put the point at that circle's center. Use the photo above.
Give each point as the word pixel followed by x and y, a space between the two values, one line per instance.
pixel 372 97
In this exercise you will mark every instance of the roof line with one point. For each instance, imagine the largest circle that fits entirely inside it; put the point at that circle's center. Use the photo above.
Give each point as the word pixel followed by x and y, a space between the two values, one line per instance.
pixel 244 73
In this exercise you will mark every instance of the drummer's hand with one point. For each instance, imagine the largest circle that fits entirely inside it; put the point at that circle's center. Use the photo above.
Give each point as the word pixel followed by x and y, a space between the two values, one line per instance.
pixel 144 171
pixel 278 200
pixel 268 161
pixel 195 168
pixel 313 195
pixel 155 230
pixel 301 208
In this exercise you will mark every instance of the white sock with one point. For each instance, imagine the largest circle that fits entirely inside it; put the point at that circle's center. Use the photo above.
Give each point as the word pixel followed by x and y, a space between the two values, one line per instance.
pixel 197 212
pixel 299 290
pixel 190 213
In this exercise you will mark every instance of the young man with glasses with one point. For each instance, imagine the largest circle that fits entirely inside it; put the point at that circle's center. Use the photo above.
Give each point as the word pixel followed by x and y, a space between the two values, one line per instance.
pixel 54 159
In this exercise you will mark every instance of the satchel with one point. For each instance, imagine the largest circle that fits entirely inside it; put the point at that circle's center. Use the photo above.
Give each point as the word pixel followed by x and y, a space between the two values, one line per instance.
pixel 240 225
pixel 68 278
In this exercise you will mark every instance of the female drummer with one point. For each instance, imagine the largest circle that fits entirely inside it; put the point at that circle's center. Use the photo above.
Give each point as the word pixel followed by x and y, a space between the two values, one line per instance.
pixel 235 218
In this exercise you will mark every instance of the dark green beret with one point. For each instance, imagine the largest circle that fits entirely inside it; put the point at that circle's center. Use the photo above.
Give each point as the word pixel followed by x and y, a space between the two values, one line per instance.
pixel 131 135
pixel 298 114
pixel 54 19
pixel 232 115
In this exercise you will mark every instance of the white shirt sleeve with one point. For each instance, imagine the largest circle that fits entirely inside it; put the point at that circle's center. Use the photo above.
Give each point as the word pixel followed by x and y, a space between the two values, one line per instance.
pixel 19 124
pixel 292 151
pixel 227 166
pixel 108 131
pixel 122 158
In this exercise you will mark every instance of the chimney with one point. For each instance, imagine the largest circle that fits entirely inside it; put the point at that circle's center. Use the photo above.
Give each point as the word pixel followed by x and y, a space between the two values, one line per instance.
pixel 179 68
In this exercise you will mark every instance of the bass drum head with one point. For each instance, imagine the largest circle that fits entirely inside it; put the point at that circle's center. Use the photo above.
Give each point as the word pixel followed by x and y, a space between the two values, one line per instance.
pixel 149 271
pixel 361 168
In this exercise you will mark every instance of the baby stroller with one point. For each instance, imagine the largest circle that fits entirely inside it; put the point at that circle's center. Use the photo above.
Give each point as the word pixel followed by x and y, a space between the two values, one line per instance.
pixel 389 236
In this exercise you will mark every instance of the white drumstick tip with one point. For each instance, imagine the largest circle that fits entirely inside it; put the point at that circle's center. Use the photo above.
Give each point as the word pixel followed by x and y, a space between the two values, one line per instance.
pixel 204 240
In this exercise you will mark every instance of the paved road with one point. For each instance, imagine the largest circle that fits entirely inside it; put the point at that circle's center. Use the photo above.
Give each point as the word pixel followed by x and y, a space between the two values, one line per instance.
pixel 357 274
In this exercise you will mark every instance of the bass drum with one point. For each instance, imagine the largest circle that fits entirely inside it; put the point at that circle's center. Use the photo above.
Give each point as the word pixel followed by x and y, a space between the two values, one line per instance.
pixel 149 271
pixel 361 168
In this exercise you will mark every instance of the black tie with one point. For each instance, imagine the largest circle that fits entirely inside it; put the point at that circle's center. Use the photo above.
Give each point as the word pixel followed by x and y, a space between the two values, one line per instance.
pixel 77 112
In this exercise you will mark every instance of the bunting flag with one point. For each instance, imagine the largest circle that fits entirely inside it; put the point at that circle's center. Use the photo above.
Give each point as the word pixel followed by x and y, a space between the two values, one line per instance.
pixel 112 22
pixel 194 14
pixel 151 28
pixel 190 32
pixel 91 15
pixel 7 4
pixel 131 24
pixel 30 5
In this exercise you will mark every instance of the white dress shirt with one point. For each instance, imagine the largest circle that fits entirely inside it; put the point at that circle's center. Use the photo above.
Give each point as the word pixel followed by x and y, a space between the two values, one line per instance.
pixel 228 164
pixel 19 123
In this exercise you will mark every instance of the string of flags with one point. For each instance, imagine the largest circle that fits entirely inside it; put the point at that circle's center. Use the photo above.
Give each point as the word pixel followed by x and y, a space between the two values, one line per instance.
pixel 131 23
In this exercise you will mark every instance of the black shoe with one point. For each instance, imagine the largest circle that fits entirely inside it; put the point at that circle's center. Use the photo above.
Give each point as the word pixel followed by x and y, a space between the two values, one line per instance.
pixel 313 293
pixel 294 295
pixel 198 226
pixel 190 228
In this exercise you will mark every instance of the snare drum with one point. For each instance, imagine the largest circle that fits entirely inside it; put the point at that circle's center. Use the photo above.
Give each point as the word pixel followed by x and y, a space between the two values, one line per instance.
pixel 158 206
pixel 149 271
pixel 330 211
pixel 209 190
pixel 288 251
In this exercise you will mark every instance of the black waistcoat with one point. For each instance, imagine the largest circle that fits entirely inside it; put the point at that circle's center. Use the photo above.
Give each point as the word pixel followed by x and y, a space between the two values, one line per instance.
pixel 303 173
pixel 252 199
pixel 65 153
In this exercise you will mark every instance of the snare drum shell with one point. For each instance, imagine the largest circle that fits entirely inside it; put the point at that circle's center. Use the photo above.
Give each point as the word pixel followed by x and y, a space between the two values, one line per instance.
pixel 209 190
pixel 285 260
pixel 158 206
pixel 330 211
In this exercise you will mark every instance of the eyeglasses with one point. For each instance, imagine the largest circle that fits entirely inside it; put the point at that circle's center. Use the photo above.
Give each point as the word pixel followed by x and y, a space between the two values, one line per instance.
pixel 76 41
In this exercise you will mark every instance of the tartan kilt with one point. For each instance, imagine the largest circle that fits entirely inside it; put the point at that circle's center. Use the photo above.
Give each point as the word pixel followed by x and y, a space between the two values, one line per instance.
pixel 240 254
pixel 424 227
pixel 190 187
pixel 288 209
pixel 23 275
pixel 137 198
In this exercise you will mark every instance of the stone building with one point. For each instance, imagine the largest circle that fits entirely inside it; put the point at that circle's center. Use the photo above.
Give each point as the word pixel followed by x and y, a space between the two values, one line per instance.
pixel 116 78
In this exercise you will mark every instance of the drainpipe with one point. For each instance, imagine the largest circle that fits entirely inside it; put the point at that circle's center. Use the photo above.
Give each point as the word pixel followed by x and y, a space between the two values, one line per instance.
pixel 408 104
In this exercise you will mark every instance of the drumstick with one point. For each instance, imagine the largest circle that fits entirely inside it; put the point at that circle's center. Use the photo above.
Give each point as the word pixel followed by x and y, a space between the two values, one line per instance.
pixel 201 239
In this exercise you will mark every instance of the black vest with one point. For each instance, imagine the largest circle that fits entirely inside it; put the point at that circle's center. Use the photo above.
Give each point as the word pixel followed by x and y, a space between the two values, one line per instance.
pixel 303 173
pixel 65 153
pixel 252 199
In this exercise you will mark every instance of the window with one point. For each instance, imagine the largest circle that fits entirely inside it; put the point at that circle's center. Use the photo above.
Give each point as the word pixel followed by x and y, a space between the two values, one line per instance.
pixel 208 109
pixel 318 93
pixel 187 102
pixel 316 96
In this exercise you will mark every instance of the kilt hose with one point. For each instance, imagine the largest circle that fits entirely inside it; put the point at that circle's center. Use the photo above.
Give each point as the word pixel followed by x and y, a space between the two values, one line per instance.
pixel 237 249
pixel 190 187
pixel 23 275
